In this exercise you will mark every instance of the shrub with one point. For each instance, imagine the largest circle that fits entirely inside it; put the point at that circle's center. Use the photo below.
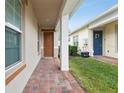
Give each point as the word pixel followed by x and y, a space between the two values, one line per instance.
pixel 73 50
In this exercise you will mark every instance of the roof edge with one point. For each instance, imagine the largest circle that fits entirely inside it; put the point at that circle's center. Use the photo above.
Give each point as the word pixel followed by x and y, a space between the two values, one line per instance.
pixel 113 8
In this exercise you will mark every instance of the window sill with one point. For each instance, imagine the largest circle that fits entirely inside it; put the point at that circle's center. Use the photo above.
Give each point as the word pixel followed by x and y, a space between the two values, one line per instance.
pixel 10 77
pixel 12 27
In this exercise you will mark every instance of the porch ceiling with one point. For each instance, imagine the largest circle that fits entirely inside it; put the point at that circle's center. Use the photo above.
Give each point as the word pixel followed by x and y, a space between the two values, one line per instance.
pixel 47 12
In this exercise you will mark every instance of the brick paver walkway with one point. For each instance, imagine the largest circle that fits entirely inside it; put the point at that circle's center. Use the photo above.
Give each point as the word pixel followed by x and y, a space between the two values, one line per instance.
pixel 47 78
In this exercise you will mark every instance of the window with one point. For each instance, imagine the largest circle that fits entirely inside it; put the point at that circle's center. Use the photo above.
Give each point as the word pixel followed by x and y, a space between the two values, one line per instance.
pixel 38 41
pixel 12 46
pixel 13 12
pixel 69 39
pixel 75 40
pixel 12 32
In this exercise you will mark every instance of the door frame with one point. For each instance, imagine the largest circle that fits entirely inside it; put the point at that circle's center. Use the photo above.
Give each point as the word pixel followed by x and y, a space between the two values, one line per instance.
pixel 52 43
pixel 102 42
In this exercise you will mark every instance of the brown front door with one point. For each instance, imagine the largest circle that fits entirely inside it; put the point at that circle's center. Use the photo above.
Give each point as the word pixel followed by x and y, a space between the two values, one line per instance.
pixel 48 44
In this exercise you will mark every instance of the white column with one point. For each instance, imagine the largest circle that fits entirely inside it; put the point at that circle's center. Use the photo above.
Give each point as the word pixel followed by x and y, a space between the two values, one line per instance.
pixel 56 44
pixel 90 42
pixel 42 44
pixel 64 43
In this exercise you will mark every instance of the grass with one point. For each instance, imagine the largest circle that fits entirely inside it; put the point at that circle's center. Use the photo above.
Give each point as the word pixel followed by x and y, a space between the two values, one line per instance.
pixel 95 76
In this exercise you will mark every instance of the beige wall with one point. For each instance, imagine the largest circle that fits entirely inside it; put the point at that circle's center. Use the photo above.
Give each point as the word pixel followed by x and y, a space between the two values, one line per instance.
pixel 110 40
pixel 30 51
pixel 90 42
pixel 82 36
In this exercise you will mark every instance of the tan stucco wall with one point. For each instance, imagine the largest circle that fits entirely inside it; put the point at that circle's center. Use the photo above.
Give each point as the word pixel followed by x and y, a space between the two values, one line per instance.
pixel 30 52
pixel 110 44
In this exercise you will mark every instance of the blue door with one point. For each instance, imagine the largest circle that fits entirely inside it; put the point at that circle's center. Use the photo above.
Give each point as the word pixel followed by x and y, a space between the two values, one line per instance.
pixel 97 42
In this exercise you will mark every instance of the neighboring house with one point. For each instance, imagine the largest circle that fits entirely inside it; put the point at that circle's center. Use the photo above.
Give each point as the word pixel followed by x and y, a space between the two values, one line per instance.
pixel 82 39
pixel 31 33
pixel 100 35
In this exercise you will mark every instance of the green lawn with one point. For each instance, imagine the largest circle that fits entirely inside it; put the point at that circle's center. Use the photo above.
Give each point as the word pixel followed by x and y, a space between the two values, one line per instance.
pixel 95 76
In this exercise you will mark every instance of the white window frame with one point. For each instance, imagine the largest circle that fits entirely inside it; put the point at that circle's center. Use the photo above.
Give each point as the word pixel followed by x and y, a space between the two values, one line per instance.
pixel 13 27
